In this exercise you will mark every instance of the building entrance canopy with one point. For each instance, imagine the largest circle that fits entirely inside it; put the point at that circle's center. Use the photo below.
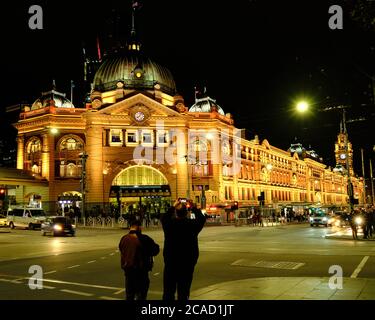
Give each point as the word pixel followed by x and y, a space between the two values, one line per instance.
pixel 140 191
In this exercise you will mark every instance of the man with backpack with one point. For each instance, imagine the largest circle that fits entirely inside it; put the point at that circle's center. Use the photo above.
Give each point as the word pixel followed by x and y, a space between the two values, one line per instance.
pixel 137 252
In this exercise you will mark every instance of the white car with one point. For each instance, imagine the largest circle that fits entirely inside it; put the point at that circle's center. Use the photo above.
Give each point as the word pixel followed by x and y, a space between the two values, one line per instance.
pixel 319 218
pixel 30 218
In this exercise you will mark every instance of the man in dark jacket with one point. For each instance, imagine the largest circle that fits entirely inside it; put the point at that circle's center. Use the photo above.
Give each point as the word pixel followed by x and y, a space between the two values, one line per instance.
pixel 137 252
pixel 181 250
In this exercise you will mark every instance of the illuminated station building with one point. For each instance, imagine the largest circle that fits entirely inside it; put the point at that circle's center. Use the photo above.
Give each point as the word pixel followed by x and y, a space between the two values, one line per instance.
pixel 134 103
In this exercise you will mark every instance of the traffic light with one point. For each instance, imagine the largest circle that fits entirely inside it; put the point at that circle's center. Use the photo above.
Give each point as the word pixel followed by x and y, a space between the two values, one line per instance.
pixel 261 198
pixel 235 205
pixel 2 193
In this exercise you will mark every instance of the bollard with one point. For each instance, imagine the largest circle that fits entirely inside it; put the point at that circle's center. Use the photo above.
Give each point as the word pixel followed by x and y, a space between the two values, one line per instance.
pixel 113 222
pixel 103 223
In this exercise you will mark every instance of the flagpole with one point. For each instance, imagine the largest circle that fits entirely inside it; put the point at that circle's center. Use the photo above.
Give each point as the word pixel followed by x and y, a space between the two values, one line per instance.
pixel 71 91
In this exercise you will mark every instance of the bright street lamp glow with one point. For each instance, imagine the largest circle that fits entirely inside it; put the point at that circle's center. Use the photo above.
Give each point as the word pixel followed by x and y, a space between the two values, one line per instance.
pixel 302 106
pixel 54 131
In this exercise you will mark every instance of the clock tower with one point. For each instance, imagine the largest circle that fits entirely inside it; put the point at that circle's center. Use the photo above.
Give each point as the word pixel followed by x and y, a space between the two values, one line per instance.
pixel 340 153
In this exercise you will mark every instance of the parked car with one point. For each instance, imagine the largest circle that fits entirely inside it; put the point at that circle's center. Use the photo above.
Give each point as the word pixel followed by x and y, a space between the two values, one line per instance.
pixel 58 225
pixel 25 217
pixel 319 218
pixel 3 221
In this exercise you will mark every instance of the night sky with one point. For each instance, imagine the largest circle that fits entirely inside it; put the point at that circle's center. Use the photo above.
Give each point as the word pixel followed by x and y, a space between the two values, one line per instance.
pixel 255 57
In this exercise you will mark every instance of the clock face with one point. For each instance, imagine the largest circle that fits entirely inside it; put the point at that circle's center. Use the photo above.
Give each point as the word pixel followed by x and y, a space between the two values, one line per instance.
pixel 342 156
pixel 139 116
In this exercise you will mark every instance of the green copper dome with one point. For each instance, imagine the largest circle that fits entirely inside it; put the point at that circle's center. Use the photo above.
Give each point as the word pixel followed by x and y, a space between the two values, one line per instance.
pixel 135 72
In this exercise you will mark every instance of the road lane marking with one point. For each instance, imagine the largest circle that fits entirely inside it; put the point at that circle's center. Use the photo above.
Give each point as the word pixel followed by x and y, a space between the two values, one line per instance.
pixel 103 258
pixel 92 261
pixel 120 291
pixel 77 293
pixel 48 287
pixel 80 284
pixel 111 254
pixel 76 266
pixel 11 281
pixel 50 272
pixel 360 267
pixel 108 298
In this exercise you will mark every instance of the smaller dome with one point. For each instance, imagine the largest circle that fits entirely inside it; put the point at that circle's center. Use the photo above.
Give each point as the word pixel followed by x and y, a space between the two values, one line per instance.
pixel 297 148
pixel 206 104
pixel 52 99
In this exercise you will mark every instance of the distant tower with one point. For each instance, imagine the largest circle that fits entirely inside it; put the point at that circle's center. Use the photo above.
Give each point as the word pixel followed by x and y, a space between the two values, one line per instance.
pixel 340 153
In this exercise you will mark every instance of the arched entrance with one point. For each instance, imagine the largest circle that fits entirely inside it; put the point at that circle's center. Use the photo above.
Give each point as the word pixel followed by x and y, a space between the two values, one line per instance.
pixel 69 203
pixel 140 188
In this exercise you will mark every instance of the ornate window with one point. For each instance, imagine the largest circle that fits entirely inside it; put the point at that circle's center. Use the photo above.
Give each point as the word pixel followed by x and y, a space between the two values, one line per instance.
pixel 200 170
pixel 34 145
pixel 70 169
pixel 162 137
pixel 147 137
pixel 199 146
pixel 35 169
pixel 115 138
pixel 140 175
pixel 131 137
pixel 70 143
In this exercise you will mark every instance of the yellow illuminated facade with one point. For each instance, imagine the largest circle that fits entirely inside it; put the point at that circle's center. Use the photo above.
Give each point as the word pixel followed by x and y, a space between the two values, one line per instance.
pixel 132 127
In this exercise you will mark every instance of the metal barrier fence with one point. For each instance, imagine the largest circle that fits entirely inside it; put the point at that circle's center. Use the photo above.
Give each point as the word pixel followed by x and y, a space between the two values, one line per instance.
pixel 110 222
pixel 121 222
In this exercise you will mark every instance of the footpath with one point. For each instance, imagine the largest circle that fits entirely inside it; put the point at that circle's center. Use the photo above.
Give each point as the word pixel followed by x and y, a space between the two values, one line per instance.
pixel 288 288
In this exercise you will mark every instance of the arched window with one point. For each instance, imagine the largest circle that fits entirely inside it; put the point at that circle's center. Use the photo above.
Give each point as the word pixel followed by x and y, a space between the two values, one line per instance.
pixel 71 170
pixel 70 143
pixel 34 146
pixel 35 169
pixel 140 175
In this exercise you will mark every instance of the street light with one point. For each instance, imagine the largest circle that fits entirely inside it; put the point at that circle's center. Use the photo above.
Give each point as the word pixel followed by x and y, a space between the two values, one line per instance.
pixel 54 130
pixel 302 106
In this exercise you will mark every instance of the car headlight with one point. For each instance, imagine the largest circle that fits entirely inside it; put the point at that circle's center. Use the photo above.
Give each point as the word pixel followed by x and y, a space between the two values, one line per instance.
pixel 311 219
pixel 57 227
pixel 337 223
pixel 325 219
pixel 358 220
